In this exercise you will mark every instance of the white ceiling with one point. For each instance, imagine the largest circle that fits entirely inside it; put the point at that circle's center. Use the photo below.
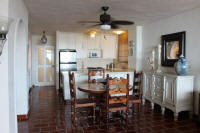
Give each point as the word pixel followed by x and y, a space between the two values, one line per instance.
pixel 63 15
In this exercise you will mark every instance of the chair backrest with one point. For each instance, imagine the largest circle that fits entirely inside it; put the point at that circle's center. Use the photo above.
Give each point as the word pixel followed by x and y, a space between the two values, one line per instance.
pixel 72 87
pixel 137 84
pixel 117 90
pixel 95 74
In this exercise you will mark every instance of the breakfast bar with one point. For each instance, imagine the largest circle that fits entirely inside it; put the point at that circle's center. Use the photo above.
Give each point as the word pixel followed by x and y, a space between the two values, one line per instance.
pixel 81 77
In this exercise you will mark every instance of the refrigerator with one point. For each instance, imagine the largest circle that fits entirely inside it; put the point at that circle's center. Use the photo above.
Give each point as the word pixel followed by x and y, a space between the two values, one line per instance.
pixel 67 62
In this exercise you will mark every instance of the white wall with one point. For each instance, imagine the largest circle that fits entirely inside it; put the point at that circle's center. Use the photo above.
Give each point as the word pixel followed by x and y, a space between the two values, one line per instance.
pixel 188 21
pixel 16 11
pixel 4 92
pixel 135 35
pixel 35 42
pixel 132 37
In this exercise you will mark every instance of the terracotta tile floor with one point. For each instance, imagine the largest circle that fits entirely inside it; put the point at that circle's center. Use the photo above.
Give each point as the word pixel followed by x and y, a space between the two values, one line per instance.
pixel 49 115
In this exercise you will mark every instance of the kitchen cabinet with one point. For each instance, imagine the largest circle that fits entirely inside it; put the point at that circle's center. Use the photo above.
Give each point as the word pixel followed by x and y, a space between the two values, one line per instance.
pixel 93 43
pixel 66 41
pixel 80 43
pixel 158 88
pixel 148 86
pixel 109 46
pixel 169 91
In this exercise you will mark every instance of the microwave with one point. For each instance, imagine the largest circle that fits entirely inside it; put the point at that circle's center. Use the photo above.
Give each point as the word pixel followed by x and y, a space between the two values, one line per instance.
pixel 94 53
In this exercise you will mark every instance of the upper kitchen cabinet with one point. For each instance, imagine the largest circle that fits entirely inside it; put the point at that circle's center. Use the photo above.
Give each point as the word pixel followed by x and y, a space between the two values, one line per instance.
pixel 93 43
pixel 109 46
pixel 81 47
pixel 65 40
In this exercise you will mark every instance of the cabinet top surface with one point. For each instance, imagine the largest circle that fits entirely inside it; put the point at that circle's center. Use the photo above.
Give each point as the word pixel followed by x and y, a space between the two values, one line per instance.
pixel 85 71
pixel 167 74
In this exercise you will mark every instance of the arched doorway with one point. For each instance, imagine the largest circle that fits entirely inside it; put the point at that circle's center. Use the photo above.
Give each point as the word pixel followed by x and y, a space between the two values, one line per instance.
pixel 20 68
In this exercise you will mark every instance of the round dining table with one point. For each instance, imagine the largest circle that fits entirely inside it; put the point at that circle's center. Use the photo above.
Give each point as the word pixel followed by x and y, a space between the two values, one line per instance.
pixel 92 88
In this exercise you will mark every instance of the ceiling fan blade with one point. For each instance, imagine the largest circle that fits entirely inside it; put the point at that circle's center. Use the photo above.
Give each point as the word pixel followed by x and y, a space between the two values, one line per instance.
pixel 122 22
pixel 95 25
pixel 114 26
pixel 83 22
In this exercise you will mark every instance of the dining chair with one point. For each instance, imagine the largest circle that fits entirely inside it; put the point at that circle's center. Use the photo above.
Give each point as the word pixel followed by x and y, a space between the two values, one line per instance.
pixel 116 97
pixel 78 103
pixel 93 75
pixel 136 97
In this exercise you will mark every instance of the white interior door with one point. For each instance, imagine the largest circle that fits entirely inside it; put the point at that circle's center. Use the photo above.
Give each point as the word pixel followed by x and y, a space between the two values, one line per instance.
pixel 45 66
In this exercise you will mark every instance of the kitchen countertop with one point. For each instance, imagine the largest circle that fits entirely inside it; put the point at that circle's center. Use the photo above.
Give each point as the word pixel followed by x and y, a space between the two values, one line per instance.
pixel 85 71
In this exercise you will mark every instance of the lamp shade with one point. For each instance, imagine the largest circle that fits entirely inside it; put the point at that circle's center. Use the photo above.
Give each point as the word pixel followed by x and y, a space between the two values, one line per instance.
pixel 4 27
pixel 44 38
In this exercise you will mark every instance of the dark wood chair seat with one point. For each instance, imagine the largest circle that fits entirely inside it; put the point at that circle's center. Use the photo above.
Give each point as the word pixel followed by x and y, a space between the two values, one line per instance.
pixel 134 99
pixel 85 103
pixel 117 107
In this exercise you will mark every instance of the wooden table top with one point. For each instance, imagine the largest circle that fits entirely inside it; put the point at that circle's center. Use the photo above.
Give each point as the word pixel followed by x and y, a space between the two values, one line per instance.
pixel 94 88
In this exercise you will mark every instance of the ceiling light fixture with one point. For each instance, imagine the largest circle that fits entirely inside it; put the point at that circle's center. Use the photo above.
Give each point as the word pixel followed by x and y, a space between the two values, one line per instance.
pixel 4 28
pixel 44 38
pixel 93 34
pixel 105 27
pixel 118 32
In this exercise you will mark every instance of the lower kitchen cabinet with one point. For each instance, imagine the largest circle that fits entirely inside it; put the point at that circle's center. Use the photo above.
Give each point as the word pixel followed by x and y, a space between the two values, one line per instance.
pixel 169 91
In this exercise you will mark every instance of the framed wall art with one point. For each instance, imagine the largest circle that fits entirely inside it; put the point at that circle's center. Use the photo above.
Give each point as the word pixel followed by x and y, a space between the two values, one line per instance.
pixel 173 45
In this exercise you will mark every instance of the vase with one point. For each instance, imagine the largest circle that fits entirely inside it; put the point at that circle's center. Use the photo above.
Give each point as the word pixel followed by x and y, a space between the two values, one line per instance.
pixel 181 66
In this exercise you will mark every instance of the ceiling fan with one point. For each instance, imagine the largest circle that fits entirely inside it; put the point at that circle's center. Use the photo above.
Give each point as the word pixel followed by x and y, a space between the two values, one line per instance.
pixel 106 22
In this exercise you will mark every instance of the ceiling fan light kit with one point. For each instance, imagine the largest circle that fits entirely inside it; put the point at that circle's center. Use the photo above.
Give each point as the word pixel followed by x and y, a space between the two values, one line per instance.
pixel 105 27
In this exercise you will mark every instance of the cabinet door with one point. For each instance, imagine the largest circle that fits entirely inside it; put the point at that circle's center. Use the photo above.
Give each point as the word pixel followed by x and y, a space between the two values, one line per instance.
pixel 80 43
pixel 170 90
pixel 158 88
pixel 109 46
pixel 93 43
pixel 66 41
pixel 147 85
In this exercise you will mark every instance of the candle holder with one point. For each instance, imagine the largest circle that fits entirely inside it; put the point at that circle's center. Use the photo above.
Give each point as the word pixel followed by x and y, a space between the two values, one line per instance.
pixel 159 59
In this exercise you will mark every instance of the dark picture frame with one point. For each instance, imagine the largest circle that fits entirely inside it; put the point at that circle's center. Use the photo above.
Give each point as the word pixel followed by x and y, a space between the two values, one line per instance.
pixel 173 45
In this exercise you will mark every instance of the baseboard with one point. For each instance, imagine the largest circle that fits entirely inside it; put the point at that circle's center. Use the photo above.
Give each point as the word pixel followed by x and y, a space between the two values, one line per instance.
pixel 25 117
pixel 22 117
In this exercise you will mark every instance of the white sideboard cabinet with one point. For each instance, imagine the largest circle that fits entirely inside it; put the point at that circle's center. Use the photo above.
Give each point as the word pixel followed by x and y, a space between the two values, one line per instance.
pixel 169 91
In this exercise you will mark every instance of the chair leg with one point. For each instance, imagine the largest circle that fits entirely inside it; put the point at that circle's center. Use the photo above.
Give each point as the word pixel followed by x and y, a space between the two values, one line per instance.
pixel 75 117
pixel 132 108
pixel 126 117
pixel 107 121
pixel 139 107
pixel 94 115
